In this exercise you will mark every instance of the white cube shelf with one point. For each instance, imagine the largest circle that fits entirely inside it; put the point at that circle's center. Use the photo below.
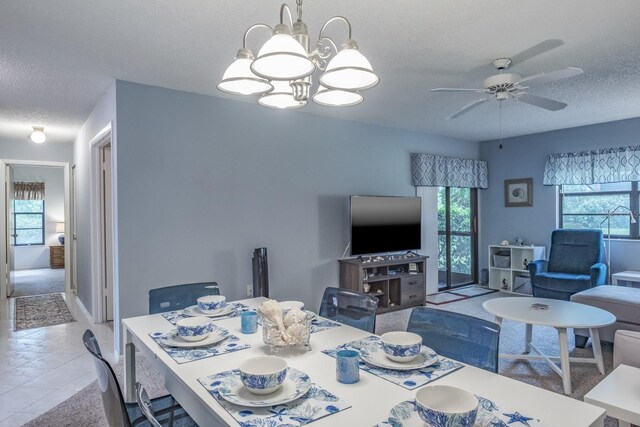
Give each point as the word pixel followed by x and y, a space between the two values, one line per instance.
pixel 507 277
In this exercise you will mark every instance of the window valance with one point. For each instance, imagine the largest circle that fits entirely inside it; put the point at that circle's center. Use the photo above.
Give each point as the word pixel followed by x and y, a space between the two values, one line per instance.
pixel 428 170
pixel 28 190
pixel 593 167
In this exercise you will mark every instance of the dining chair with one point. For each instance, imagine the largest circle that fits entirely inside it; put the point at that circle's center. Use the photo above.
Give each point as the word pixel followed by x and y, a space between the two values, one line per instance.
pixel 350 308
pixel 179 297
pixel 457 336
pixel 165 410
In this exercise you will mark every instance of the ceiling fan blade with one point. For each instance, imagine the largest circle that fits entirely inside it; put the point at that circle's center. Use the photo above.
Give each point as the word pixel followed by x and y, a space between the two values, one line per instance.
pixel 536 50
pixel 457 89
pixel 542 78
pixel 486 70
pixel 538 101
pixel 469 107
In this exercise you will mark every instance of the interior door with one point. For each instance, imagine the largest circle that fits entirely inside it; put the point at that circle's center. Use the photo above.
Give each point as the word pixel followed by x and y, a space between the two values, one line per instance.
pixel 74 211
pixel 11 228
pixel 457 237
pixel 107 232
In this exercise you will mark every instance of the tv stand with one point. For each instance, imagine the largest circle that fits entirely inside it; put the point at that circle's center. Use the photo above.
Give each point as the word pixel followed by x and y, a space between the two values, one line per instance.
pixel 398 281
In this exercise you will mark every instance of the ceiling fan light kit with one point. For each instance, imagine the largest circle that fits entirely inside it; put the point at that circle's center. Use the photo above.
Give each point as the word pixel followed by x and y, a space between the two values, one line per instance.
pixel 281 73
pixel 504 86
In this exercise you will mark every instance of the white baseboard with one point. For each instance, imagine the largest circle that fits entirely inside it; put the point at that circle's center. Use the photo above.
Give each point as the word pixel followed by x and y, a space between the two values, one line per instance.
pixel 84 310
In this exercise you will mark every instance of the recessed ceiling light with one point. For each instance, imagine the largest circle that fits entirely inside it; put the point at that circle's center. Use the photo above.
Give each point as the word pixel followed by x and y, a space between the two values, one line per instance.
pixel 38 135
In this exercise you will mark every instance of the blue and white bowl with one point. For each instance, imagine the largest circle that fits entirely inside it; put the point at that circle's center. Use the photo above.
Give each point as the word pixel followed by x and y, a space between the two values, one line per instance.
pixel 194 328
pixel 211 303
pixel 401 346
pixel 446 406
pixel 263 375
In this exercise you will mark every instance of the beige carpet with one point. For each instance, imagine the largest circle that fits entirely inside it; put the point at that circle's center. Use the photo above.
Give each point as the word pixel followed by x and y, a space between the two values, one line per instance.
pixel 85 408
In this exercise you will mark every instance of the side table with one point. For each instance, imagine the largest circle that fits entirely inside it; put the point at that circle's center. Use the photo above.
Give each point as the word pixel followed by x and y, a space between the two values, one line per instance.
pixel 619 395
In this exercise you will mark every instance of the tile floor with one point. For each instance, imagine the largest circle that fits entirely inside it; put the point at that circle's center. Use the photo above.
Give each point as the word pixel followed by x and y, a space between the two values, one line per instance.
pixel 40 368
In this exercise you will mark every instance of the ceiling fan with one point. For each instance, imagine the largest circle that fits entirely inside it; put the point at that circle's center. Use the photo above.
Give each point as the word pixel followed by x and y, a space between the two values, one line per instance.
pixel 504 86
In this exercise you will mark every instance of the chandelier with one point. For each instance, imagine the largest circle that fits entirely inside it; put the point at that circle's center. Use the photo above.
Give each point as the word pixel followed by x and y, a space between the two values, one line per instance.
pixel 281 73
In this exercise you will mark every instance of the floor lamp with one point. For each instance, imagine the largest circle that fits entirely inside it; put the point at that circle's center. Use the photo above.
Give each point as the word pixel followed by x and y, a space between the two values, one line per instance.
pixel 607 218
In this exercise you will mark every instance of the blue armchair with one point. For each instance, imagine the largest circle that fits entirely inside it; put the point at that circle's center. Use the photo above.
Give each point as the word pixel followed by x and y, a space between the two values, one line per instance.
pixel 575 264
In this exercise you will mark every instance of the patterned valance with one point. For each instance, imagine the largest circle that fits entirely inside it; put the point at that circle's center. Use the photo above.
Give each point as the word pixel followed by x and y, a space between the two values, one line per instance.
pixel 428 170
pixel 593 167
pixel 28 190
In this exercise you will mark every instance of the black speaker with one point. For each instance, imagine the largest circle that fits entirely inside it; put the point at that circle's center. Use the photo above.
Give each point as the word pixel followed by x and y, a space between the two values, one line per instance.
pixel 484 277
pixel 260 273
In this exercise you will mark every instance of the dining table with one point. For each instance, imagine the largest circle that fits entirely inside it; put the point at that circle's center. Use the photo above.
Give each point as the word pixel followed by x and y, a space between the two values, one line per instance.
pixel 370 399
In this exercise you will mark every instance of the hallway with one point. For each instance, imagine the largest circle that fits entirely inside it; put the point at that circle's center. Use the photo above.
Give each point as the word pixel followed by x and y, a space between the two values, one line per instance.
pixel 38 281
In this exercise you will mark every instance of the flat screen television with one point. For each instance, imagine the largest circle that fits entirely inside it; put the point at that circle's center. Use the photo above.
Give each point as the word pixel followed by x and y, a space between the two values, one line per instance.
pixel 385 224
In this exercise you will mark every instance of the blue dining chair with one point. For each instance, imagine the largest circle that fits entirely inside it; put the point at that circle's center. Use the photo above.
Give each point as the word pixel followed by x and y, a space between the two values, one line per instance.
pixel 179 297
pixel 350 308
pixel 457 336
pixel 165 410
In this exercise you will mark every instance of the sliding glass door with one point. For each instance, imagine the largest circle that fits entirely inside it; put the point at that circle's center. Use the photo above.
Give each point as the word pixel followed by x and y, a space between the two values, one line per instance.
pixel 457 237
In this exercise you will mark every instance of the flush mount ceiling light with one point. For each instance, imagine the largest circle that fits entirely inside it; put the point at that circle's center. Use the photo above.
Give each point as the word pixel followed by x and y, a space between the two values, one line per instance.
pixel 38 135
pixel 281 73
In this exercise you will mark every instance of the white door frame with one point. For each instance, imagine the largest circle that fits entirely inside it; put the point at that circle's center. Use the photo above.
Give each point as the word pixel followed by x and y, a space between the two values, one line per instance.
pixel 104 137
pixel 3 211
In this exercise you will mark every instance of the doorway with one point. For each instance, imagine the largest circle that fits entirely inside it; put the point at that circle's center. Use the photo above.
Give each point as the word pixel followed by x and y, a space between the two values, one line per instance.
pixel 457 237
pixel 102 226
pixel 34 210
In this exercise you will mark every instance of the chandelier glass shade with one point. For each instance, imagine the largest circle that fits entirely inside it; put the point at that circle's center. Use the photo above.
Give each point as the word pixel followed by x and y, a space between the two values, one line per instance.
pixel 282 72
pixel 349 70
pixel 238 79
pixel 336 97
pixel 280 97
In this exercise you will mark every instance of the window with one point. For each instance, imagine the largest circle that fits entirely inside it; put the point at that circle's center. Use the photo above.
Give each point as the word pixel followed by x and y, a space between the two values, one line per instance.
pixel 586 206
pixel 28 221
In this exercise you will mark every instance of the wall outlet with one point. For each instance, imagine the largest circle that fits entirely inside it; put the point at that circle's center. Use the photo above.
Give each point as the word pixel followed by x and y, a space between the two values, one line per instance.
pixel 250 291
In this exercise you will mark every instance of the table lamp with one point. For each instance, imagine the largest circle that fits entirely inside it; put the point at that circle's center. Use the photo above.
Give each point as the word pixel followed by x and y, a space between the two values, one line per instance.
pixel 60 229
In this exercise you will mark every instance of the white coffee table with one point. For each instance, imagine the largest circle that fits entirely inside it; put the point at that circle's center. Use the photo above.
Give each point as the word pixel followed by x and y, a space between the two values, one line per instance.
pixel 560 315
pixel 629 276
pixel 619 395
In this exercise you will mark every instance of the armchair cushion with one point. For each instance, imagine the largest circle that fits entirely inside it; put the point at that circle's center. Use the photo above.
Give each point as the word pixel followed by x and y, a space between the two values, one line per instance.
pixel 563 282
pixel 537 267
pixel 598 274
pixel 575 251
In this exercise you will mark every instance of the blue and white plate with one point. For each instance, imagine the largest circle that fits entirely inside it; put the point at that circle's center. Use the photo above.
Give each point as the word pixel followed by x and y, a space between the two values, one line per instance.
pixel 296 385
pixel 172 339
pixel 194 310
pixel 377 357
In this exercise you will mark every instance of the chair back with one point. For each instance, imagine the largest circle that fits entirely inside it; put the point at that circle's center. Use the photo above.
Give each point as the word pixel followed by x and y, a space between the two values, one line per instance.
pixel 460 337
pixel 179 297
pixel 351 308
pixel 115 409
pixel 145 405
pixel 575 251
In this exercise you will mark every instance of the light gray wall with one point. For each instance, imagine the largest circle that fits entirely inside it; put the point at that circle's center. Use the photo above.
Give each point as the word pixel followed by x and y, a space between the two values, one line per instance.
pixel 27 150
pixel 524 157
pixel 202 181
pixel 26 257
pixel 103 113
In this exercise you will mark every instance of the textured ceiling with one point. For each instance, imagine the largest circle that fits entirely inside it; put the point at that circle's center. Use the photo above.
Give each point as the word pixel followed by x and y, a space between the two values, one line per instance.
pixel 58 57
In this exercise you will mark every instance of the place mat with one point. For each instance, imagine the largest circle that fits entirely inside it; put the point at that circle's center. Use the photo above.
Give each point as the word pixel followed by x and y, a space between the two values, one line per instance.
pixel 317 403
pixel 319 324
pixel 173 316
pixel 489 415
pixel 408 379
pixel 183 355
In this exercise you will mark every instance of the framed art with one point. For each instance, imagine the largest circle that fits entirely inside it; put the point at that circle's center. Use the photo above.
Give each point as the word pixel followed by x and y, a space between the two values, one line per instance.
pixel 518 192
